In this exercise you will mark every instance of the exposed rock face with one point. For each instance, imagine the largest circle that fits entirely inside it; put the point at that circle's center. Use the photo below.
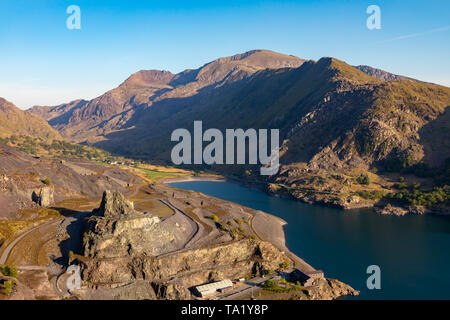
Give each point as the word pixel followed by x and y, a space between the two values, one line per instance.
pixel 186 268
pixel 329 289
pixel 126 249
pixel 114 204
pixel 381 74
pixel 391 210
pixel 44 197
pixel 118 230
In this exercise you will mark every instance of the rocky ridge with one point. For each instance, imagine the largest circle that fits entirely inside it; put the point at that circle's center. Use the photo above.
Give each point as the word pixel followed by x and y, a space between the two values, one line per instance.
pixel 117 230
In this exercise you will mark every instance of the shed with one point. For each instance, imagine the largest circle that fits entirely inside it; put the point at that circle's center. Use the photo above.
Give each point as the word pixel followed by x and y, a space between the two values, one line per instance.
pixel 211 288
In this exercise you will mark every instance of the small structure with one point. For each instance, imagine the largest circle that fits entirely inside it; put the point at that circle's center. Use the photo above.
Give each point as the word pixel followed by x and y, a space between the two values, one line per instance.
pixel 212 288
pixel 306 278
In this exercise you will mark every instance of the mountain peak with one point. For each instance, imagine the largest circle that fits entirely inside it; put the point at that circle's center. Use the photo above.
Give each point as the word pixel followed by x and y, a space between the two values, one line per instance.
pixel 145 78
pixel 262 59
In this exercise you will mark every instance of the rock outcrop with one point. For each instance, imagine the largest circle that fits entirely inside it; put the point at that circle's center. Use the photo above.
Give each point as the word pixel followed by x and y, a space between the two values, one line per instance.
pixel 123 247
pixel 193 267
pixel 118 230
pixel 329 289
pixel 44 196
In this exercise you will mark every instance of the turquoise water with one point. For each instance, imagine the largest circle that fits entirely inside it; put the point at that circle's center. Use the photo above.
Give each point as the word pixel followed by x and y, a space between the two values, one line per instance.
pixel 413 252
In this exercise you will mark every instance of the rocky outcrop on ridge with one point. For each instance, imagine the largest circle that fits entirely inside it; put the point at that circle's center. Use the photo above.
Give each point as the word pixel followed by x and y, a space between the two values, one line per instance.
pixel 117 230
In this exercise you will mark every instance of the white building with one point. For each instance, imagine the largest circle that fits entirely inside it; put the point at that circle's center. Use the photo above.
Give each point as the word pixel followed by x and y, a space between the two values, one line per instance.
pixel 212 288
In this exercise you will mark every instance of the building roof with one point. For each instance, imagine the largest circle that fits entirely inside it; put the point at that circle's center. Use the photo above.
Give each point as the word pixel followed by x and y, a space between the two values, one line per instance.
pixel 211 287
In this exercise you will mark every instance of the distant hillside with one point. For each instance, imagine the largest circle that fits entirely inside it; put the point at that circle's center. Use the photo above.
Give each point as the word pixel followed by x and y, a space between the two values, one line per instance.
pixel 14 121
pixel 339 125
pixel 91 121
pixel 381 74
pixel 331 115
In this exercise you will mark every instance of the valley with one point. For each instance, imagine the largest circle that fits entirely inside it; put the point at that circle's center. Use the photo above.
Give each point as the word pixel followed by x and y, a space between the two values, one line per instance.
pixel 338 125
pixel 92 184
pixel 197 238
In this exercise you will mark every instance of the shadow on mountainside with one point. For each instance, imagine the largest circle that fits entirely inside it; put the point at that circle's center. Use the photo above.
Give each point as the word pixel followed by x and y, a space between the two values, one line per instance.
pixel 435 139
pixel 73 227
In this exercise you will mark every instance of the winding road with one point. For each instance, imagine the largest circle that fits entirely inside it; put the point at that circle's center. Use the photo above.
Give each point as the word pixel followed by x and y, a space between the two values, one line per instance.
pixel 5 254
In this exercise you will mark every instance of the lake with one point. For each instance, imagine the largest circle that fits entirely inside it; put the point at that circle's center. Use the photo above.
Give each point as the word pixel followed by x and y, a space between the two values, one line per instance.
pixel 413 252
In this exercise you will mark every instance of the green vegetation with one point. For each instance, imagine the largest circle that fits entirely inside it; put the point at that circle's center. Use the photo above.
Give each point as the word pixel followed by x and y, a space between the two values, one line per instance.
pixel 398 163
pixel 253 237
pixel 9 271
pixel 274 286
pixel 46 181
pixel 284 265
pixel 371 195
pixel 154 175
pixel 214 218
pixel 363 179
pixel 8 286
pixel 56 149
pixel 416 197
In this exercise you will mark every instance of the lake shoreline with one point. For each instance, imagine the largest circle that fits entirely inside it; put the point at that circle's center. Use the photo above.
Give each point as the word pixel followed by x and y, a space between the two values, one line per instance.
pixel 267 226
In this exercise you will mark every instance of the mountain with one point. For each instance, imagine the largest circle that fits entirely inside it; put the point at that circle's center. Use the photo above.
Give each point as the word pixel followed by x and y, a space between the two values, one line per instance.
pixel 381 74
pixel 91 121
pixel 14 121
pixel 331 115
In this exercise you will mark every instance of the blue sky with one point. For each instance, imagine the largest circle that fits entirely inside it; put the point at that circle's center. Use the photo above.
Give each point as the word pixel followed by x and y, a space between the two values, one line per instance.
pixel 44 63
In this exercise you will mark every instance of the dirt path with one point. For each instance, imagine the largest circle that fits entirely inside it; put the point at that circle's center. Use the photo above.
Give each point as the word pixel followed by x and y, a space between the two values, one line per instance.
pixel 195 226
pixel 10 247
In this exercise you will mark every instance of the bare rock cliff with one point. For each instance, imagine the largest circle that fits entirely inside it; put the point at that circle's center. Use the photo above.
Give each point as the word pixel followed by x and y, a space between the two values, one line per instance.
pixel 117 230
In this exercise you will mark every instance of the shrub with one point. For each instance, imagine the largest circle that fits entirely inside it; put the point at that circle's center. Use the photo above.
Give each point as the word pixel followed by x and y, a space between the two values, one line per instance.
pixel 46 181
pixel 9 271
pixel 253 237
pixel 214 218
pixel 8 287
pixel 363 179
pixel 371 195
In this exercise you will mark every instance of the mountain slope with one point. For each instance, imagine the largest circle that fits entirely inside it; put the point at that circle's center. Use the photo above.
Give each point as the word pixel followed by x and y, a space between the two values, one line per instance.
pixel 112 112
pixel 331 115
pixel 381 74
pixel 14 121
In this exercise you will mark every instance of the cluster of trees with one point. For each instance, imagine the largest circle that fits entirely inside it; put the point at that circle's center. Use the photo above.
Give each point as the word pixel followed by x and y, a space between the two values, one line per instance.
pixel 416 197
pixel 73 150
pixel 56 148
pixel 9 271
pixel 363 179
